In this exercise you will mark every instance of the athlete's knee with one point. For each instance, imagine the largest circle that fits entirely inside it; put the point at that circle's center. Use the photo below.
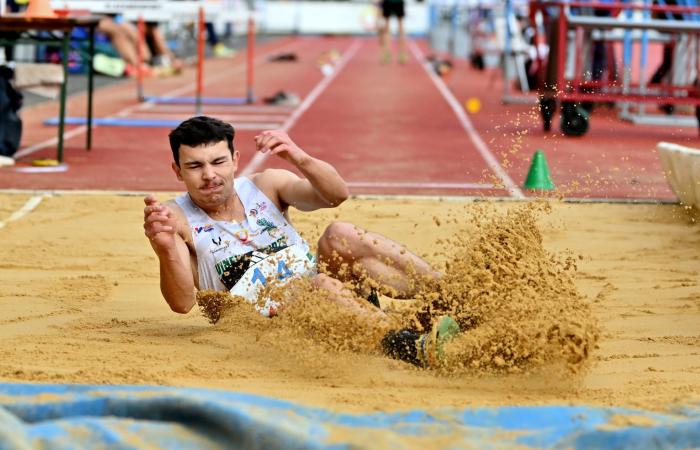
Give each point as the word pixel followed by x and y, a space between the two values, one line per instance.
pixel 340 238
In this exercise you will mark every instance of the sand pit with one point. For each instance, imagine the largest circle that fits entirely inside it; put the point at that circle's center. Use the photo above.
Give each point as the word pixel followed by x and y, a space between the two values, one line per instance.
pixel 81 305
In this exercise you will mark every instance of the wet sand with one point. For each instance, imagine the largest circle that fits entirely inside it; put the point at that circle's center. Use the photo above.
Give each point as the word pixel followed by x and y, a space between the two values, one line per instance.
pixel 82 305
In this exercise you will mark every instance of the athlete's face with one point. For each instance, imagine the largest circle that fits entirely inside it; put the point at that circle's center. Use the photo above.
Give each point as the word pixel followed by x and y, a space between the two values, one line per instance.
pixel 208 173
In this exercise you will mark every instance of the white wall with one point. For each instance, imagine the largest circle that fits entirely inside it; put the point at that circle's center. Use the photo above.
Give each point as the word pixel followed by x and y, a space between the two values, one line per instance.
pixel 332 17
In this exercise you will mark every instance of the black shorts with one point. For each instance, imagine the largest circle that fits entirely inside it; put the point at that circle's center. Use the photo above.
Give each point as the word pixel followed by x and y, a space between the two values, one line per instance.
pixel 393 8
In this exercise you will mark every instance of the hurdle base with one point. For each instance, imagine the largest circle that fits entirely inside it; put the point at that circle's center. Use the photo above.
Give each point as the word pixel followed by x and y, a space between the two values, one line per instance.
pixel 203 100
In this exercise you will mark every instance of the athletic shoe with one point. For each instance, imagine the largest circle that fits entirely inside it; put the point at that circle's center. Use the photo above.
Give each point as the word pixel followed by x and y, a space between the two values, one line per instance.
pixel 386 57
pixel 401 345
pixel 430 346
pixel 165 66
pixel 425 350
pixel 6 161
pixel 221 51
pixel 283 98
pixel 106 65
pixel 284 57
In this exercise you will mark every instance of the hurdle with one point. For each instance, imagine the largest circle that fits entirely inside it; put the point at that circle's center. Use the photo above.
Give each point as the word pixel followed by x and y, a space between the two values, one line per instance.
pixel 142 11
pixel 199 100
pixel 627 23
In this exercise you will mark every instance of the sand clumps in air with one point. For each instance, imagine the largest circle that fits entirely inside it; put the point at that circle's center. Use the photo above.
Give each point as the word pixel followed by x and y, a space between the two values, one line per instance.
pixel 516 303
pixel 212 303
pixel 307 319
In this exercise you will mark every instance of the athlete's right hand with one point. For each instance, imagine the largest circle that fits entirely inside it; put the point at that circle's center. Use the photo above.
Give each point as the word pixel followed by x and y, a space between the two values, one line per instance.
pixel 159 223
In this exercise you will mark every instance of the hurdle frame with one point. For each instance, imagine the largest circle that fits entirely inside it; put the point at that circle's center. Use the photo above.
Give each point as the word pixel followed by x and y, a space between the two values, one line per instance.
pixel 199 100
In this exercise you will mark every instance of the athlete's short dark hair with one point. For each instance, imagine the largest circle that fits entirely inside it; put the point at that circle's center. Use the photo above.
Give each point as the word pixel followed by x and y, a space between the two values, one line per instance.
pixel 200 130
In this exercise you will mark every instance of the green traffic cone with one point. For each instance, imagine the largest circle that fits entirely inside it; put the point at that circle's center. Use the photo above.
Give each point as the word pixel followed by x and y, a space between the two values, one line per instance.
pixel 538 175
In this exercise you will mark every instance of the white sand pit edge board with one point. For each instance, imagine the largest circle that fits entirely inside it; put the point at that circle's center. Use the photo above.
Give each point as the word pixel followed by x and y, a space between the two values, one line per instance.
pixel 682 169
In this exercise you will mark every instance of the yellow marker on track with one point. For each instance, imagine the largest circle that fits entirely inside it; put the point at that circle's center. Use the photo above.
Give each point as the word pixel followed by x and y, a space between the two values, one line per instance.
pixel 44 162
pixel 472 105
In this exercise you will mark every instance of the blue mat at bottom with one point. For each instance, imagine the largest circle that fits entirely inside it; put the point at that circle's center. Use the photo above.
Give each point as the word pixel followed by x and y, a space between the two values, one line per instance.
pixel 135 417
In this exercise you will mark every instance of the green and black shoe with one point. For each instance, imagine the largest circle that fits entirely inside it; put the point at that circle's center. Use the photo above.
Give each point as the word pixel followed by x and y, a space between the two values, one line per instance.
pixel 423 350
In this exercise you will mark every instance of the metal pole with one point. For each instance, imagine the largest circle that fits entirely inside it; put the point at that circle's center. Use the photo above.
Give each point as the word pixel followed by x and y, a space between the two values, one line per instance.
pixel 249 62
pixel 643 61
pixel 140 40
pixel 91 73
pixel 561 67
pixel 200 60
pixel 65 49
pixel 626 63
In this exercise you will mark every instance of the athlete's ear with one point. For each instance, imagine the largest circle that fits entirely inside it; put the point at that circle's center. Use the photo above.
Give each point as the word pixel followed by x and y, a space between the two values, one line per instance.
pixel 176 169
pixel 236 155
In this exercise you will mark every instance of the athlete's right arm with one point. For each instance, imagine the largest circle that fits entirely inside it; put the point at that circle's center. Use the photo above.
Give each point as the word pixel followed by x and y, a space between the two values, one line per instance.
pixel 176 278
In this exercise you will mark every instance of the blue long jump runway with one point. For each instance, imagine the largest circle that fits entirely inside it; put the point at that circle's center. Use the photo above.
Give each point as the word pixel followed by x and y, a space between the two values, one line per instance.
pixel 82 416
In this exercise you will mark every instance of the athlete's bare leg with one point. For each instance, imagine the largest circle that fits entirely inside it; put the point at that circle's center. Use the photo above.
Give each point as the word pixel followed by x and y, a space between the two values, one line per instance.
pixel 344 297
pixel 402 43
pixel 348 252
pixel 384 40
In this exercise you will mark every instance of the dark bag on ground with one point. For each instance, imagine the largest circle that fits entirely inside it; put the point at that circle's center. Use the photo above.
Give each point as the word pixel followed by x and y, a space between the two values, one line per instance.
pixel 10 123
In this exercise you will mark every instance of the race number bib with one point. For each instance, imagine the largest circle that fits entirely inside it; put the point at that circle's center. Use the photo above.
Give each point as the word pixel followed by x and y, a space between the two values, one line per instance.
pixel 280 267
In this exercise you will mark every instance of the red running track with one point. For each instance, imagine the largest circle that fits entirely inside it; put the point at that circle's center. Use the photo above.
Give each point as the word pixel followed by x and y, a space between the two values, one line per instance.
pixel 389 129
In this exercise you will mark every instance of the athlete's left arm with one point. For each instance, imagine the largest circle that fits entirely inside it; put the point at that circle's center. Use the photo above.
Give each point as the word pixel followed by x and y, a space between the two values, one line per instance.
pixel 322 186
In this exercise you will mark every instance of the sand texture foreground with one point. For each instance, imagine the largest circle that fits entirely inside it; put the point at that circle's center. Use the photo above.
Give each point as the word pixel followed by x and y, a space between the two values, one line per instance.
pixel 81 304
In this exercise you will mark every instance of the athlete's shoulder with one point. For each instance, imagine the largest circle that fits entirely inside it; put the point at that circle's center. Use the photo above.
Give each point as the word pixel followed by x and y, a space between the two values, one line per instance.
pixel 183 223
pixel 174 207
pixel 271 182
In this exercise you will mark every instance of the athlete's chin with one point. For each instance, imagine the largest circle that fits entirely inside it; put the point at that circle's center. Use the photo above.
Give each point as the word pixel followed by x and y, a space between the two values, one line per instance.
pixel 213 199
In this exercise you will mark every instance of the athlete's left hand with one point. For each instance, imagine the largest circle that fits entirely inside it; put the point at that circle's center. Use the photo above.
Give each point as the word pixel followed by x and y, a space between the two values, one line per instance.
pixel 278 142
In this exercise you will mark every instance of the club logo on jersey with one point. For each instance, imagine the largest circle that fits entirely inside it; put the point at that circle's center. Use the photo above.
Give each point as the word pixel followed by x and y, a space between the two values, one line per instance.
pixel 268 227
pixel 219 245
pixel 259 207
pixel 203 229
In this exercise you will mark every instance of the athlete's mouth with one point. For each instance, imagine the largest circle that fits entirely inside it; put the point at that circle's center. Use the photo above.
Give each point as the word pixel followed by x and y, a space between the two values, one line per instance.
pixel 211 187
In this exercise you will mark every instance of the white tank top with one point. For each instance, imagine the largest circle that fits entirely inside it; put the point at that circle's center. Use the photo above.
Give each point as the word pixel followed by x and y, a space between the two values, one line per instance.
pixel 243 257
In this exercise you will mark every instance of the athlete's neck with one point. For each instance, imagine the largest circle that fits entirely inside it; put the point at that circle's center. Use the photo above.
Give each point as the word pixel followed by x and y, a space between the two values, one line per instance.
pixel 228 211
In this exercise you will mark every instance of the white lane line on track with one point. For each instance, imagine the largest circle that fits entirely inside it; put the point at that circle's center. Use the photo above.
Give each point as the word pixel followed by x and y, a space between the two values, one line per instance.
pixel 259 158
pixel 480 145
pixel 50 142
pixel 32 203
pixel 190 86
pixel 418 185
